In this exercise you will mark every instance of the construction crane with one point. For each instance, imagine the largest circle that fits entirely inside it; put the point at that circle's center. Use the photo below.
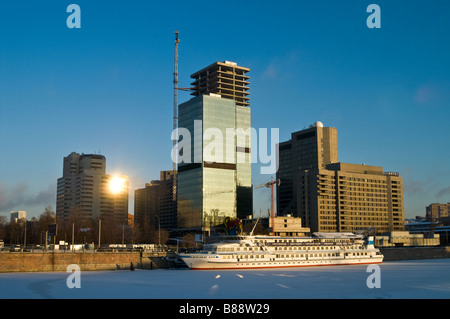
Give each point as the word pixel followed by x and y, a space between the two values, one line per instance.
pixel 271 186
pixel 175 114
pixel 175 118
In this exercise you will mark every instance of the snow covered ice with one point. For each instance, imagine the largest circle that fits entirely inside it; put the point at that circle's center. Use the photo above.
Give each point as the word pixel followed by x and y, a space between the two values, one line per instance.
pixel 419 279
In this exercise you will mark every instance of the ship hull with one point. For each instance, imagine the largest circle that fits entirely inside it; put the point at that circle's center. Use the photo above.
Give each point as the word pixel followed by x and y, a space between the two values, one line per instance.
pixel 205 263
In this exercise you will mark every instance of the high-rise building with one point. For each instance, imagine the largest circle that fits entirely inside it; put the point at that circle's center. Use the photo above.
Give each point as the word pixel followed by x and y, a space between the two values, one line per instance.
pixel 154 206
pixel 347 197
pixel 214 175
pixel 331 196
pixel 86 192
pixel 312 148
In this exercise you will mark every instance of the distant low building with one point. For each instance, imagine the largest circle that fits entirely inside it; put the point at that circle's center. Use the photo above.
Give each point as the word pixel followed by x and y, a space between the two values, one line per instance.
pixel 437 211
pixel 405 238
pixel 427 229
pixel 288 226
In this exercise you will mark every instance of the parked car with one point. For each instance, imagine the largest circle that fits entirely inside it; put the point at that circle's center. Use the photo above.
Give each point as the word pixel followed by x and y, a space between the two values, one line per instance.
pixel 14 248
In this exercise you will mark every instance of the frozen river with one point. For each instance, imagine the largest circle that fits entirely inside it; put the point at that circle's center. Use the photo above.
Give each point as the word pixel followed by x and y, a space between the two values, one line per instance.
pixel 403 279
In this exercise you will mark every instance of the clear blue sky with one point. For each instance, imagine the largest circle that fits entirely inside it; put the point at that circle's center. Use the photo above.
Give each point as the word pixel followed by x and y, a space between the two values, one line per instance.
pixel 107 87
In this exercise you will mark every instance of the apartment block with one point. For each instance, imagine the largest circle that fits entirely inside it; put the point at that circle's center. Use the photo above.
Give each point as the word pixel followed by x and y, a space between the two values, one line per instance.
pixel 86 192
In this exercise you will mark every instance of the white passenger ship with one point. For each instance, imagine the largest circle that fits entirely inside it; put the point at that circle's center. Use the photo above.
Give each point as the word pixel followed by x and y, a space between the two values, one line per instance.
pixel 255 252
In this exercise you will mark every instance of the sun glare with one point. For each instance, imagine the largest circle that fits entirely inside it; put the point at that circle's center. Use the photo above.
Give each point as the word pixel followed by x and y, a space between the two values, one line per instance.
pixel 117 185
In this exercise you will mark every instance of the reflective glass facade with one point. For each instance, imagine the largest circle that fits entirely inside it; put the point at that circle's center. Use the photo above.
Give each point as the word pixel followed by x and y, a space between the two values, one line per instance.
pixel 244 191
pixel 208 185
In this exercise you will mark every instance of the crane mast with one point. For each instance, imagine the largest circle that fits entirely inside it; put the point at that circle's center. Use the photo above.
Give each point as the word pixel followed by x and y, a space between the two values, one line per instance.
pixel 271 185
pixel 175 118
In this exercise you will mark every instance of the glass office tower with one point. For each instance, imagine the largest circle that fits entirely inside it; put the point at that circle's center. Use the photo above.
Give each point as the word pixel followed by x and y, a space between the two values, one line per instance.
pixel 214 177
pixel 244 190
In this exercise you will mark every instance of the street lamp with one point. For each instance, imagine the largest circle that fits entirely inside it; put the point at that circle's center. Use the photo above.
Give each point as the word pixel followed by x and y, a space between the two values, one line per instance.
pixel 159 231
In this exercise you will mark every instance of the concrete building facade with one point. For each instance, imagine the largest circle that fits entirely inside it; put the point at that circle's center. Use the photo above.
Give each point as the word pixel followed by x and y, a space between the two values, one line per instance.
pixel 312 148
pixel 226 79
pixel 437 211
pixel 288 226
pixel 331 196
pixel 85 190
pixel 348 197
pixel 154 205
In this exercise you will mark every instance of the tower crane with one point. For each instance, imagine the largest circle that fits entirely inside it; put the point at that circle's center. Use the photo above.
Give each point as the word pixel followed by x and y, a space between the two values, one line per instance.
pixel 271 186
pixel 175 116
pixel 175 119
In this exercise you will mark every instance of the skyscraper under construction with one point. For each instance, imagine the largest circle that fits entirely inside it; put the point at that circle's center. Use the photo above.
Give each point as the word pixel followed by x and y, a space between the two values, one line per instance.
pixel 212 187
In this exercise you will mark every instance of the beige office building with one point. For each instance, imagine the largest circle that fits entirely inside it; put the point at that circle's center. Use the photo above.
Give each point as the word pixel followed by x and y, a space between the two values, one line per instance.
pixel 337 197
pixel 348 197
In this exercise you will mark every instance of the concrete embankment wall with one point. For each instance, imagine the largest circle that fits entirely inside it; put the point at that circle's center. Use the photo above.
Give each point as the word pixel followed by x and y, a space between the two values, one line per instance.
pixel 87 261
pixel 414 253
pixel 91 261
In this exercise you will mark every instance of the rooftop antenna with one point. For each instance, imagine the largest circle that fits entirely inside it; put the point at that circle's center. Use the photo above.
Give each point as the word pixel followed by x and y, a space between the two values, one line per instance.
pixel 175 116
